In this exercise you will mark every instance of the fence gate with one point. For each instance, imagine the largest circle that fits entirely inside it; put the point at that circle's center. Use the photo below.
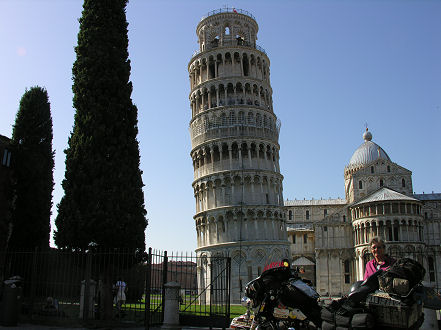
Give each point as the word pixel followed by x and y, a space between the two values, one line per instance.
pixel 204 293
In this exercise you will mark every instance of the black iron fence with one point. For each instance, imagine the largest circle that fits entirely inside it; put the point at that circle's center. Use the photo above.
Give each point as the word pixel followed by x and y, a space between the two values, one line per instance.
pixel 76 287
pixel 68 288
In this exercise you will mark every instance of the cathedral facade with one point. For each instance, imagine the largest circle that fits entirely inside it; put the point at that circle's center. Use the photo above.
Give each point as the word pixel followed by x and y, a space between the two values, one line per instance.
pixel 329 238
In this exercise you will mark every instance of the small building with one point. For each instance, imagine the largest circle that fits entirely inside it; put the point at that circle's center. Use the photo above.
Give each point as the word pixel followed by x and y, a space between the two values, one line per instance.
pixel 5 190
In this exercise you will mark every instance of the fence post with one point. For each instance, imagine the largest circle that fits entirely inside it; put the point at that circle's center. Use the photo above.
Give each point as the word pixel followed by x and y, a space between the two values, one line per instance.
pixel 228 288
pixel 2 266
pixel 212 285
pixel 87 279
pixel 148 282
pixel 33 279
pixel 164 280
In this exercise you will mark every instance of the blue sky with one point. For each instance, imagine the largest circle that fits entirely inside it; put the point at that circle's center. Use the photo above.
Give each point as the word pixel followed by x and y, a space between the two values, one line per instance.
pixel 335 66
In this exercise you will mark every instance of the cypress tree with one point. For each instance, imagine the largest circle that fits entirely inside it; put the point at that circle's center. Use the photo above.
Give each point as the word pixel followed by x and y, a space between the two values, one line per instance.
pixel 33 164
pixel 103 202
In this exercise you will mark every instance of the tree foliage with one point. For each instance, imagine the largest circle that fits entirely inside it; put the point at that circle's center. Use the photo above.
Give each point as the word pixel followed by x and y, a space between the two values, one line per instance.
pixel 33 164
pixel 103 202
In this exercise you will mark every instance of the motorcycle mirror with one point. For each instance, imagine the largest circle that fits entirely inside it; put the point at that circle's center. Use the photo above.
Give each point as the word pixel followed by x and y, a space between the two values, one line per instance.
pixel 245 301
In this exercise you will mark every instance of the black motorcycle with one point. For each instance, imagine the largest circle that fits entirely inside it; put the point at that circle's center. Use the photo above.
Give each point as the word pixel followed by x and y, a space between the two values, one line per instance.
pixel 280 299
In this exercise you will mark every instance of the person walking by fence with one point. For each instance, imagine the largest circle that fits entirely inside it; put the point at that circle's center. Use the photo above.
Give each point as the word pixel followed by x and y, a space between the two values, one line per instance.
pixel 120 297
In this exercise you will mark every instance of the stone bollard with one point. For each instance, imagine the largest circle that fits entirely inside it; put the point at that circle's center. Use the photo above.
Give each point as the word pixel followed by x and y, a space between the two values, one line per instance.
pixel 90 301
pixel 171 306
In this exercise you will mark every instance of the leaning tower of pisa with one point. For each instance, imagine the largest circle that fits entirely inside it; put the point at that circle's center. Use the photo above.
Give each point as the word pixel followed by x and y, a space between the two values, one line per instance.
pixel 235 151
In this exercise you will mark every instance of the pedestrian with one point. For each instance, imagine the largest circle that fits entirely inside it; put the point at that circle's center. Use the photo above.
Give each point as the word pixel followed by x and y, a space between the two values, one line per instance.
pixel 121 289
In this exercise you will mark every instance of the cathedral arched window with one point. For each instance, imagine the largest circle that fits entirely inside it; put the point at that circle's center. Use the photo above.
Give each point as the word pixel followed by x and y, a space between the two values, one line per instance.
pixel 239 39
pixel 372 169
pixel 224 119
pixel 381 182
pixel 227 30
pixel 388 168
pixel 389 232
pixel 307 215
pixel 347 271
pixel 360 184
pixel 366 258
pixel 290 215
pixel 403 183
pixel 250 273
pixel 396 231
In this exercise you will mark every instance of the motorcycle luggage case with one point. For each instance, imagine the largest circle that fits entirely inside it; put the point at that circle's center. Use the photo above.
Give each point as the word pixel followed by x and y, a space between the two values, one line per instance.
pixel 390 312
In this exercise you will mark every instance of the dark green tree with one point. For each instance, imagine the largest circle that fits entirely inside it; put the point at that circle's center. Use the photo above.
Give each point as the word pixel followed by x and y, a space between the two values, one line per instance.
pixel 33 164
pixel 103 202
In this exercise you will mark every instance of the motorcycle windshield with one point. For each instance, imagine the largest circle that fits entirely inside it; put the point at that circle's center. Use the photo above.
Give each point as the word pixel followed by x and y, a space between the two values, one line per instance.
pixel 273 275
pixel 305 288
pixel 276 264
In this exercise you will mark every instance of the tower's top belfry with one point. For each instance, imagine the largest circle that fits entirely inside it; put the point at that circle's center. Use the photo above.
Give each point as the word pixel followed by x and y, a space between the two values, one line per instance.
pixel 227 27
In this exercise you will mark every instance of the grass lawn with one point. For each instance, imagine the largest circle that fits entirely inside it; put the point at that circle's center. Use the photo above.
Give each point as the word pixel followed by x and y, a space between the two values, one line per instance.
pixel 190 305
pixel 235 310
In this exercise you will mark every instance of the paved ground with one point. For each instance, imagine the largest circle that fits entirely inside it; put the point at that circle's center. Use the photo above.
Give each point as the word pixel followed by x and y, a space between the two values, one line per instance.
pixel 45 327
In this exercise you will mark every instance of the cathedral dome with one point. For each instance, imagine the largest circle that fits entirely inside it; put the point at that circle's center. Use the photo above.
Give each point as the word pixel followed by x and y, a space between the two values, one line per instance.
pixel 368 152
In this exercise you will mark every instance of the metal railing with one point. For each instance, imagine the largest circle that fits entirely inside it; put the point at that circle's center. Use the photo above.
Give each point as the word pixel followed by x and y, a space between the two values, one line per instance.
pixel 228 10
pixel 75 287
pixel 230 43
pixel 234 131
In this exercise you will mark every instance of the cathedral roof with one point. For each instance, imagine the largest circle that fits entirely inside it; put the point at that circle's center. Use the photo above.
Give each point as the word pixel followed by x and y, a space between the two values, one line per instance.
pixel 428 197
pixel 385 194
pixel 368 152
pixel 299 227
pixel 313 202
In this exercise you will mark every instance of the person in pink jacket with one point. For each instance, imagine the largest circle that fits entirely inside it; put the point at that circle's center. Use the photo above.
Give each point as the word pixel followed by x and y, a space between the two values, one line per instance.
pixel 381 259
